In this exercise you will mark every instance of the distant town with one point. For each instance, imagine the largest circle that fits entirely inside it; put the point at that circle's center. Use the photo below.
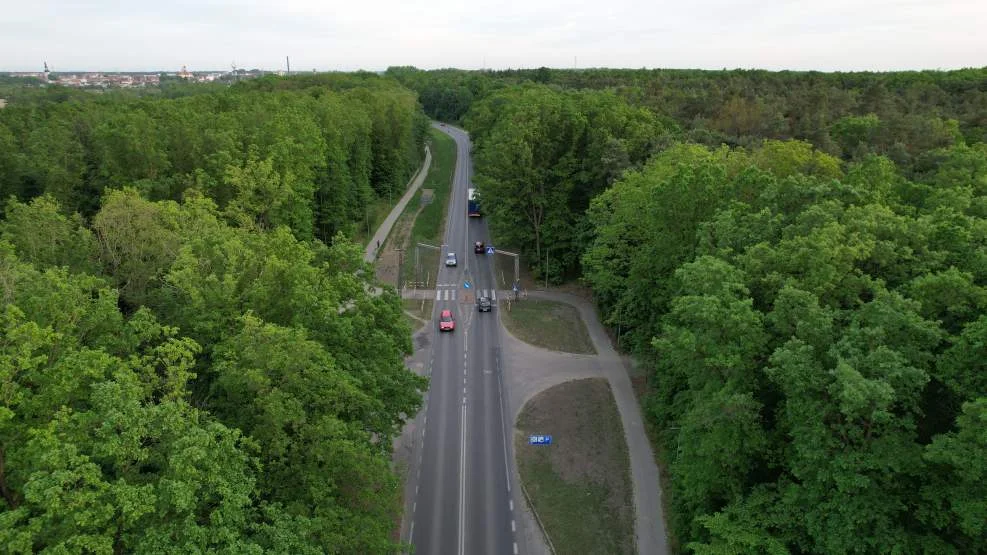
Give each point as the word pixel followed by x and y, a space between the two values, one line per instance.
pixel 103 80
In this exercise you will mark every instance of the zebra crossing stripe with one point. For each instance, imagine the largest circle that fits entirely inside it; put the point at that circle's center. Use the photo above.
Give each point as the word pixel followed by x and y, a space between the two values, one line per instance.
pixel 453 294
pixel 490 293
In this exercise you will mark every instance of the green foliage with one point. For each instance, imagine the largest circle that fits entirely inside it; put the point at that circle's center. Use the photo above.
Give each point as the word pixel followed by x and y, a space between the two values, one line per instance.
pixel 184 366
pixel 542 155
pixel 45 237
pixel 799 258
pixel 138 241
pixel 956 493
pixel 330 146
pixel 809 335
pixel 101 452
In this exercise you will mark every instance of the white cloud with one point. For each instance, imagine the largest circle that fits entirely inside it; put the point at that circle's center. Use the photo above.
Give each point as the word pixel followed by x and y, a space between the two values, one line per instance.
pixel 374 34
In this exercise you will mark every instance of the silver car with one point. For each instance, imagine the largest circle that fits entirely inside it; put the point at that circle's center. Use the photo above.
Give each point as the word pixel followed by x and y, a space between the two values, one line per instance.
pixel 451 259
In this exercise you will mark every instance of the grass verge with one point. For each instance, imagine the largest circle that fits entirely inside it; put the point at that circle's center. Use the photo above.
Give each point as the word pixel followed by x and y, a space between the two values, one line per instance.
pixel 430 222
pixel 580 485
pixel 373 216
pixel 418 312
pixel 549 324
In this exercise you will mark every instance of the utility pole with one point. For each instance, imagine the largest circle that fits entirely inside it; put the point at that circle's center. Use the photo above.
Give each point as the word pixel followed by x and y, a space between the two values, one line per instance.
pixel 288 62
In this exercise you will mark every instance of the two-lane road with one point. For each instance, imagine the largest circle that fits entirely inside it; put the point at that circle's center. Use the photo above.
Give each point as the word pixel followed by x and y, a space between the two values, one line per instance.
pixel 462 502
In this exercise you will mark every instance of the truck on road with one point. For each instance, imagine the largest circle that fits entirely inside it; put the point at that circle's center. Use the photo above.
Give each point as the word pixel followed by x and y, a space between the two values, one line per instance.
pixel 474 204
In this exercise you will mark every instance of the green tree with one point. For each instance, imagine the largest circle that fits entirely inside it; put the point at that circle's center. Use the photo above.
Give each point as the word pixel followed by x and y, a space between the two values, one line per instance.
pixel 99 452
pixel 956 494
pixel 45 237
pixel 963 367
pixel 138 241
pixel 311 423
pixel 265 199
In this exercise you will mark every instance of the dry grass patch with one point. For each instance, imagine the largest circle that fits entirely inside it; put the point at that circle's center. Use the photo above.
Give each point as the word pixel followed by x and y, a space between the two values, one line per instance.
pixel 549 324
pixel 580 485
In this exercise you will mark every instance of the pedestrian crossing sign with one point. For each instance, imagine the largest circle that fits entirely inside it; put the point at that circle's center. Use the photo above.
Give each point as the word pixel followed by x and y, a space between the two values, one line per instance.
pixel 490 250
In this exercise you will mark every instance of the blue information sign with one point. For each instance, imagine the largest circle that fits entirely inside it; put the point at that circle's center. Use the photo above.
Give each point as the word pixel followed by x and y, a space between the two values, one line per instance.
pixel 539 440
pixel 490 250
pixel 466 284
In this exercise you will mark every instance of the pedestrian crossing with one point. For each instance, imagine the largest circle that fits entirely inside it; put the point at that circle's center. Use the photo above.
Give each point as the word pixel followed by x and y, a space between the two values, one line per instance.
pixel 453 294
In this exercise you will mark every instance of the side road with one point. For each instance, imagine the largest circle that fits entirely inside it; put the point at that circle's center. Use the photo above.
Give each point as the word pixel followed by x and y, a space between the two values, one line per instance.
pixel 532 370
pixel 370 254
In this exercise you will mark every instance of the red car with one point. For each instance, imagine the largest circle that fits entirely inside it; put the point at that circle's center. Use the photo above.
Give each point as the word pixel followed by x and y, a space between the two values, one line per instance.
pixel 446 322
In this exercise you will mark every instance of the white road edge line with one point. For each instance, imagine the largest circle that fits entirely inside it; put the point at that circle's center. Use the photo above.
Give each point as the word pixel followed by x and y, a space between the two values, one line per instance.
pixel 503 423
pixel 462 483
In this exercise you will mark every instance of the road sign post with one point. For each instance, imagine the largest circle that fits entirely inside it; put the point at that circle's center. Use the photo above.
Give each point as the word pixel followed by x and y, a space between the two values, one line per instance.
pixel 517 271
pixel 418 269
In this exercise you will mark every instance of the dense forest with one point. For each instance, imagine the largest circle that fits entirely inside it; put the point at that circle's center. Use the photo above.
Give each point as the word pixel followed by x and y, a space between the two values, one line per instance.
pixel 799 259
pixel 193 356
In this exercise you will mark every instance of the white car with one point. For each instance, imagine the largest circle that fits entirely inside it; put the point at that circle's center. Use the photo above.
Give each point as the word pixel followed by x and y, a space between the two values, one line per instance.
pixel 451 259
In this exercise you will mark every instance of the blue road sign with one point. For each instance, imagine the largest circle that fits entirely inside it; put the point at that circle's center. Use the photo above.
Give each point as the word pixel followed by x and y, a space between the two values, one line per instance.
pixel 539 440
pixel 490 250
pixel 466 284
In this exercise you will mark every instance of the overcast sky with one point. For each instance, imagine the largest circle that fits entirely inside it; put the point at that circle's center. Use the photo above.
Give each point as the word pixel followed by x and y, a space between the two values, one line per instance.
pixel 134 35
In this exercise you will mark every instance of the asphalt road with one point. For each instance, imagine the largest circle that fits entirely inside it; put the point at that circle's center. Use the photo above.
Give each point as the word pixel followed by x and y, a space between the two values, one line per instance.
pixel 463 502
